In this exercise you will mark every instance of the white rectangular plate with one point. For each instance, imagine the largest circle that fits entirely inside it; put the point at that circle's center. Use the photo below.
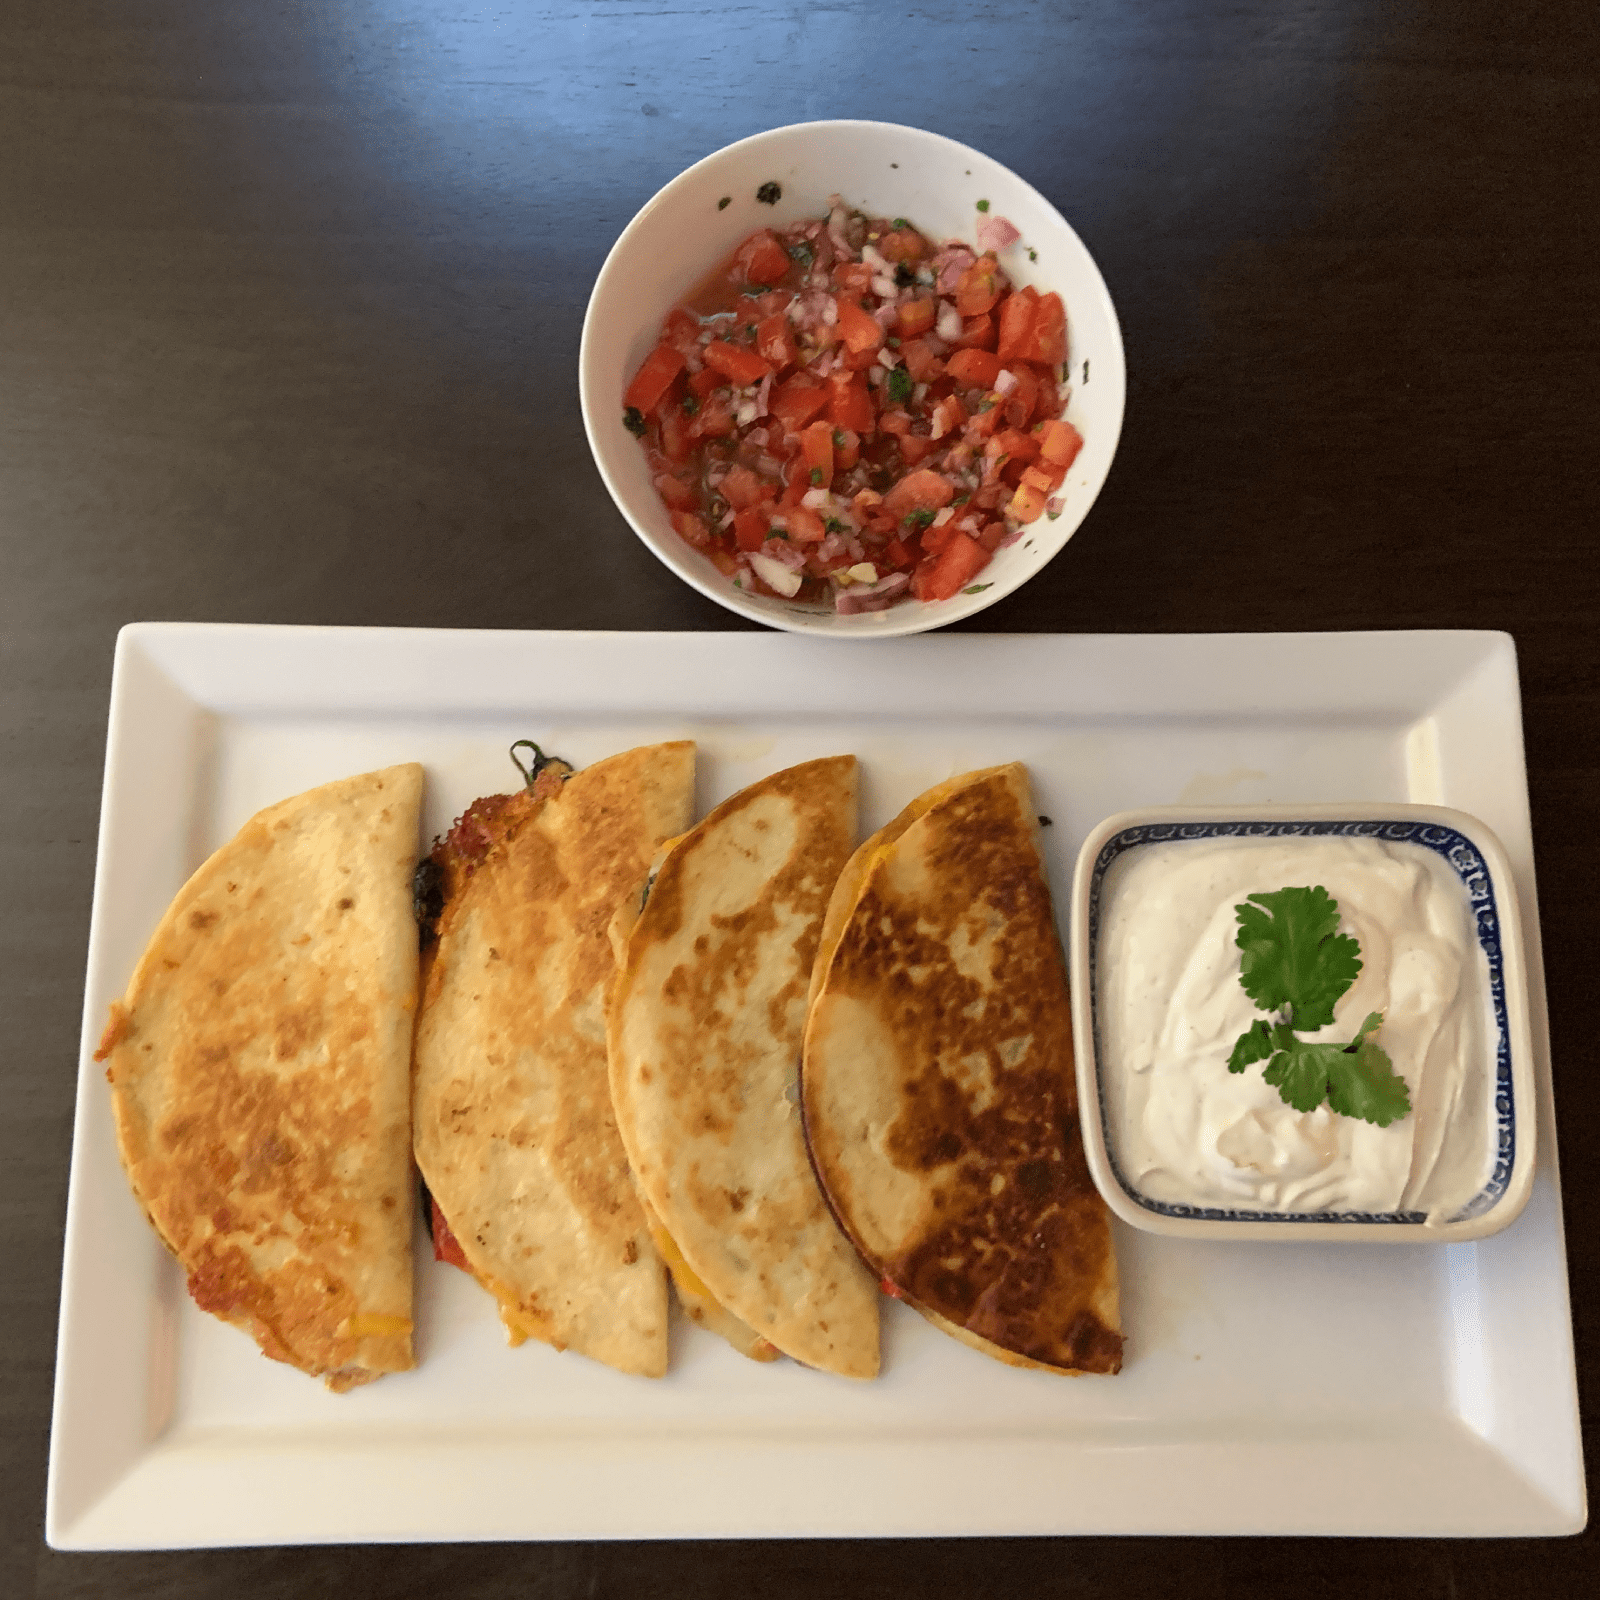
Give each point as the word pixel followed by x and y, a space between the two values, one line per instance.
pixel 1268 1388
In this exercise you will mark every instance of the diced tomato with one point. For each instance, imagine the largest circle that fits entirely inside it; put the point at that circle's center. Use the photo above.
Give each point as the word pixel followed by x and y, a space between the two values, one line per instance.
pixel 816 451
pixel 742 487
pixel 916 447
pixel 1027 502
pixel 957 565
pixel 897 422
pixel 1019 446
pixel 986 418
pixel 859 360
pixel 761 259
pixel 991 534
pixel 714 420
pixel 775 342
pixel 898 554
pixel 857 328
pixel 915 317
pixel 948 416
pixel 654 378
pixel 1049 343
pixel 681 330
pixel 935 539
pixel 1019 403
pixel 743 366
pixel 852 277
pixel 1017 314
pixel 724 561
pixel 1060 442
pixel 797 402
pixel 974 368
pixel 679 496
pixel 705 380
pixel 988 498
pixel 849 403
pixel 691 529
pixel 922 490
pixel 805 526
pixel 1046 477
pixel 675 440
pixel 977 333
pixel 901 244
pixel 979 287
pixel 923 365
pixel 866 502
pixel 750 526
pixel 846 449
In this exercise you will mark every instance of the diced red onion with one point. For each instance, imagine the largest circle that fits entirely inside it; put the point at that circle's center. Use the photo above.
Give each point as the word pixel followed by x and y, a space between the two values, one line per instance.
pixel 886 315
pixel 1005 382
pixel 816 499
pixel 950 263
pixel 1013 533
pixel 943 516
pixel 995 233
pixel 1054 506
pixel 785 554
pixel 950 323
pixel 888 359
pixel 883 286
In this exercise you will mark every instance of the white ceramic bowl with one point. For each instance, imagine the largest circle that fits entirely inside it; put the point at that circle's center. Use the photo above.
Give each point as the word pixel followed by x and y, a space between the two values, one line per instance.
pixel 686 231
pixel 1495 1122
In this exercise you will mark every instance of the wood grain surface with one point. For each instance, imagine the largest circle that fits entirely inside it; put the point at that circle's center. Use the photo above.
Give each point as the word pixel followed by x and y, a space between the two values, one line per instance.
pixel 290 297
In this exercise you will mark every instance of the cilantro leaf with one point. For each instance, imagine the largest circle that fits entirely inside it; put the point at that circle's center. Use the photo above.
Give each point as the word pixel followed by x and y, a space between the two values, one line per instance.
pixel 1362 1081
pixel 1294 956
pixel 1300 1073
pixel 1254 1044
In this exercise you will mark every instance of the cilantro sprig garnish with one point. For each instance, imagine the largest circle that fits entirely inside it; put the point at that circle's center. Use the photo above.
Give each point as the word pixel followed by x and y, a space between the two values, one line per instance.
pixel 1294 961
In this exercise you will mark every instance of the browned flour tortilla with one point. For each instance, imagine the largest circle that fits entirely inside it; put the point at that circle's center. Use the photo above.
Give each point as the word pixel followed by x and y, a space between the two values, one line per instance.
pixel 513 1125
pixel 938 1083
pixel 259 1069
pixel 705 1029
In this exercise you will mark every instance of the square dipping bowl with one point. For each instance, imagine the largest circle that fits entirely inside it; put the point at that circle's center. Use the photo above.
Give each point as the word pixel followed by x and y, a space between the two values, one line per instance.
pixel 1234 1161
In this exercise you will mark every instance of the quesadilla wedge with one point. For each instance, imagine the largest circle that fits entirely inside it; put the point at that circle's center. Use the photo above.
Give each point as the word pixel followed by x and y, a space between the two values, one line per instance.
pixel 938 1088
pixel 704 1036
pixel 512 1119
pixel 260 1074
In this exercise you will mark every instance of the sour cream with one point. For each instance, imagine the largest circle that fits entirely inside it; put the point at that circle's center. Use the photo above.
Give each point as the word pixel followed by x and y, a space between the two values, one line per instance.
pixel 1184 1130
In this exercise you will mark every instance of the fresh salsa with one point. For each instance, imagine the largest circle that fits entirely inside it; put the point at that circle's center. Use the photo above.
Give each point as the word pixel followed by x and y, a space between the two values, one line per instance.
pixel 847 413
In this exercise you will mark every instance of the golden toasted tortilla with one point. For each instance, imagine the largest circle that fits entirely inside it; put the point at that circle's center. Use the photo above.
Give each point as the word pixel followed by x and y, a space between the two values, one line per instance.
pixel 260 1072
pixel 938 1084
pixel 512 1113
pixel 704 1036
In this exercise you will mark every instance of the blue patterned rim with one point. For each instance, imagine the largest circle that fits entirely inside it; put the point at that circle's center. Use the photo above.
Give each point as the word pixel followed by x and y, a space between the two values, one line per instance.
pixel 1473 871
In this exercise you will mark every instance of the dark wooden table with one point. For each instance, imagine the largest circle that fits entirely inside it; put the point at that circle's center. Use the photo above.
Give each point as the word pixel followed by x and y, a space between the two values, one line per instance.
pixel 290 297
